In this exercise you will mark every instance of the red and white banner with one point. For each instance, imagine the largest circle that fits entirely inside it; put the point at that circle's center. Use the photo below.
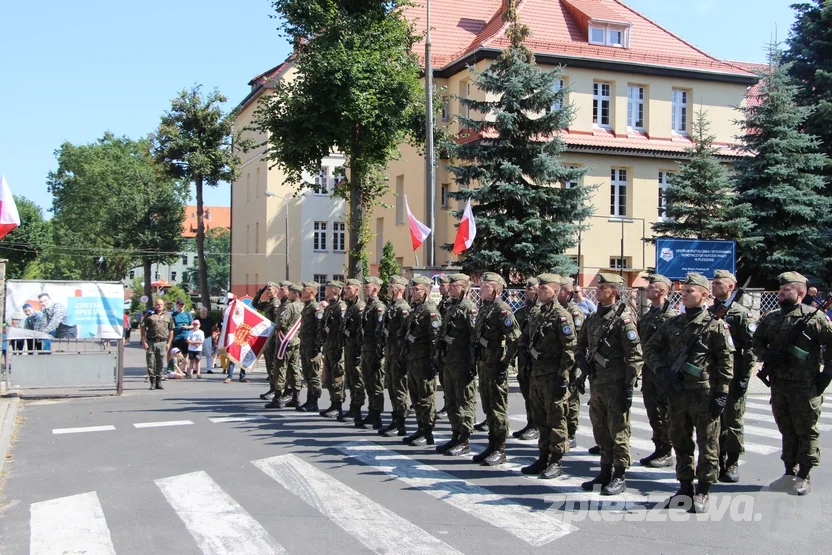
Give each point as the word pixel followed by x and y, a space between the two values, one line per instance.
pixel 285 338
pixel 418 231
pixel 9 218
pixel 244 333
pixel 467 230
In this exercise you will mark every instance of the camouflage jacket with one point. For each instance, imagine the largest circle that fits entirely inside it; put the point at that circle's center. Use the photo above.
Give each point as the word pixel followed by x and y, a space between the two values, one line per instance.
pixel 394 318
pixel 741 326
pixel 286 320
pixel 453 342
pixel 496 334
pixel 157 327
pixel 312 320
pixel 550 339
pixel 352 323
pixel 419 331
pixel 332 332
pixel 372 325
pixel 619 358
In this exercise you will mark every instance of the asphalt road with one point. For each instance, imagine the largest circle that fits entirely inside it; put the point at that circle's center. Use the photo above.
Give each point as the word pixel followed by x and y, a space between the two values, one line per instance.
pixel 202 467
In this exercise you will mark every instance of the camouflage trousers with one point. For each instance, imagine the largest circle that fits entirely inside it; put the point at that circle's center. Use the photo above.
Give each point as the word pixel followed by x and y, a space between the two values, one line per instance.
pixel 352 371
pixel 155 355
pixel 310 362
pixel 372 372
pixel 420 385
pixel 524 380
pixel 271 358
pixel 550 412
pixel 460 393
pixel 287 373
pixel 395 378
pixel 656 415
pixel 690 411
pixel 573 415
pixel 494 397
pixel 610 423
pixel 731 437
pixel 796 408
pixel 333 373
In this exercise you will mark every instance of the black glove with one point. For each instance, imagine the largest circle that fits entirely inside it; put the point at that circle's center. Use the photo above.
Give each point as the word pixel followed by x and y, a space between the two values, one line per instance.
pixel 502 372
pixel 563 387
pixel 627 398
pixel 822 381
pixel 739 386
pixel 774 357
pixel 718 404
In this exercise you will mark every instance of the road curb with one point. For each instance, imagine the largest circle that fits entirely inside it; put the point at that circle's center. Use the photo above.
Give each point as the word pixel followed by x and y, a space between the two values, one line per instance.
pixel 8 417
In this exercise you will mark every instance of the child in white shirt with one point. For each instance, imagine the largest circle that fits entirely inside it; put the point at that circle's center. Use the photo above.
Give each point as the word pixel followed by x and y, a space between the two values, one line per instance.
pixel 195 339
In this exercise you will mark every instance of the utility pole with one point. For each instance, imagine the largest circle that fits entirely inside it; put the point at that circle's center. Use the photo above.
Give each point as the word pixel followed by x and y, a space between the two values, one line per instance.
pixel 430 168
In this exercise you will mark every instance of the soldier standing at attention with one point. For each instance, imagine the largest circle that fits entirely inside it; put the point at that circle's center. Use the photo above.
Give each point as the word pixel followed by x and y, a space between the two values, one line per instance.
pixel 578 319
pixel 495 338
pixel 281 396
pixel 290 345
pixel 312 318
pixel 157 335
pixel 332 339
pixel 444 303
pixel 395 374
pixel 372 352
pixel 658 288
pixel 789 342
pixel 693 353
pixel 269 308
pixel 418 337
pixel 529 431
pixel 741 326
pixel 550 340
pixel 615 369
pixel 456 362
pixel 352 350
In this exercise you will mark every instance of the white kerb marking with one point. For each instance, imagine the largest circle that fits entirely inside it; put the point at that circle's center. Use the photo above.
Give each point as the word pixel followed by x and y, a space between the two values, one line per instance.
pixel 536 528
pixel 163 424
pixel 217 522
pixel 73 524
pixel 237 418
pixel 58 431
pixel 375 526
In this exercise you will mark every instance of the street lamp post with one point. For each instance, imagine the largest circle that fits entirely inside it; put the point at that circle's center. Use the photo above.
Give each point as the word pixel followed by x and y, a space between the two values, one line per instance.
pixel 430 167
pixel 286 238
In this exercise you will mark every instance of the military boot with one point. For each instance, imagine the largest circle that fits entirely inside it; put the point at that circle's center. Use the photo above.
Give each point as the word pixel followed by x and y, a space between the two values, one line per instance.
pixel 479 457
pixel 391 426
pixel 660 458
pixel 397 428
pixel 531 433
pixel 481 426
pixel 573 443
pixel 521 431
pixel 425 439
pixel 596 450
pixel 159 383
pixel 601 480
pixel 373 420
pixel 682 499
pixel 701 500
pixel 461 447
pixel 539 465
pixel 412 437
pixel 326 410
pixel 350 414
pixel 334 411
pixel 442 413
pixel 617 485
pixel 802 485
pixel 553 469
pixel 731 472
pixel 293 402
pixel 448 444
pixel 311 405
pixel 152 381
pixel 786 481
pixel 267 396
pixel 497 456
pixel 357 419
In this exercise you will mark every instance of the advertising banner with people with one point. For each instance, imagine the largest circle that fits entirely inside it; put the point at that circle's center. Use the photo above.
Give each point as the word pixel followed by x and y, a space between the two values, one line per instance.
pixel 676 257
pixel 66 309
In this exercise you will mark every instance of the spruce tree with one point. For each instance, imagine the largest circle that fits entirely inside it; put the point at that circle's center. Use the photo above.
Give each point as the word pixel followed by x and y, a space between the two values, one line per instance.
pixel 508 163
pixel 699 200
pixel 778 181
pixel 387 268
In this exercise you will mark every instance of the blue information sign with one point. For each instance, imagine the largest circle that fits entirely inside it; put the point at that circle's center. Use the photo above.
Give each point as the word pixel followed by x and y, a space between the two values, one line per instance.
pixel 676 257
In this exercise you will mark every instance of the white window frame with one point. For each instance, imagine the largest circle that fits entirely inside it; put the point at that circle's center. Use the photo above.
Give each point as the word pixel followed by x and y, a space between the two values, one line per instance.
pixel 599 100
pixel 570 184
pixel 607 31
pixel 680 111
pixel 322 180
pixel 599 29
pixel 636 107
pixel 339 236
pixel 664 183
pixel 446 110
pixel 319 236
pixel 557 86
pixel 619 190
pixel 618 263
pixel 321 280
pixel 443 196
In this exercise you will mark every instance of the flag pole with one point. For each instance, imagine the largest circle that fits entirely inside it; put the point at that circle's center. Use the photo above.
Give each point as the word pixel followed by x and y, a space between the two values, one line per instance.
pixel 430 168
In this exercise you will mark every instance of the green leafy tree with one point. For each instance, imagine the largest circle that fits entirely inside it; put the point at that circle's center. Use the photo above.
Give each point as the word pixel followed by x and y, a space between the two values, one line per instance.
pixel 388 267
pixel 526 217
pixel 24 244
pixel 172 294
pixel 356 91
pixel 700 199
pixel 195 143
pixel 779 182
pixel 217 260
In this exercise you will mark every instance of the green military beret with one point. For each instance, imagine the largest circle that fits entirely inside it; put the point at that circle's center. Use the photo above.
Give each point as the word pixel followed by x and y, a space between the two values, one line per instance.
pixel 697 279
pixel 615 279
pixel 353 281
pixel 792 277
pixel 458 277
pixel 491 276
pixel 566 281
pixel 285 283
pixel 549 278
pixel 296 287
pixel 531 282
pixel 420 280
pixel 314 284
pixel 398 280
pixel 335 283
pixel 373 279
pixel 724 274
pixel 444 278
pixel 658 278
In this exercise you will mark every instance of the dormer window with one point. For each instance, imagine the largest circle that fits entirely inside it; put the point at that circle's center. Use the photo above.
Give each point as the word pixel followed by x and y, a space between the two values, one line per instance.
pixel 609 34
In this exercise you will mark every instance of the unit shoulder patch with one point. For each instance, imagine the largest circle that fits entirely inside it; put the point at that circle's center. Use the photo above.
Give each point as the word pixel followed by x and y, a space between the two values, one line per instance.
pixel 632 335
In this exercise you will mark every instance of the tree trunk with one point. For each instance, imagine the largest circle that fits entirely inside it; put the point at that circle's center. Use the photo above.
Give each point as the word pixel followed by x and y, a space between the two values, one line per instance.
pixel 357 214
pixel 200 247
pixel 147 266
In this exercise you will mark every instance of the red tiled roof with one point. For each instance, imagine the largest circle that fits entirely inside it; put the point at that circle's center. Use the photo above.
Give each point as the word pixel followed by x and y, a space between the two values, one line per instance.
pixel 752 98
pixel 214 217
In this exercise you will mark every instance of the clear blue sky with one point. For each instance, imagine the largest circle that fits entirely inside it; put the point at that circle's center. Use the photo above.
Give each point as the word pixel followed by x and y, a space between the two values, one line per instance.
pixel 69 71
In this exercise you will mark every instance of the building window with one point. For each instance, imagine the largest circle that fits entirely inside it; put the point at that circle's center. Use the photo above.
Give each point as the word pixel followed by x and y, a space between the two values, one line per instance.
pixel 157 276
pixel 601 104
pixel 597 35
pixel 173 276
pixel 609 35
pixel 679 112
pixel 446 110
pixel 321 281
pixel 465 92
pixel 338 277
pixel 132 274
pixel 635 108
pixel 322 181
pixel 618 193
pixel 399 200
pixel 572 182
pixel 557 86
pixel 443 196
pixel 256 237
pixel 184 259
pixel 319 237
pixel 618 263
pixel 663 184
pixel 339 236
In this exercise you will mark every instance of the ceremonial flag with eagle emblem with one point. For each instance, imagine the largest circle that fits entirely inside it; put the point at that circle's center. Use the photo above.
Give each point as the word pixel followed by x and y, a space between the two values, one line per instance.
pixel 244 333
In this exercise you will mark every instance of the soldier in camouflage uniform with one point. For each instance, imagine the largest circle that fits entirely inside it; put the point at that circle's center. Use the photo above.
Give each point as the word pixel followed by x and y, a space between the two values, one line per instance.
pixel 495 341
pixel 269 308
pixel 418 338
pixel 287 350
pixel 693 355
pixel 312 318
pixel 444 303
pixel 741 325
pixel 352 350
pixel 793 358
pixel 395 373
pixel 279 379
pixel 332 339
pixel 455 361
pixel 614 371
pixel 549 338
pixel 157 335
pixel 565 295
pixel 372 352
pixel 660 312
pixel 529 431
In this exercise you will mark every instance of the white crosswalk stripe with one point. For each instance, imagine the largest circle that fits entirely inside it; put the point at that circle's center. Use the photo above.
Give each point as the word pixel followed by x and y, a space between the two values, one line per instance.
pixel 73 524
pixel 765 408
pixel 379 529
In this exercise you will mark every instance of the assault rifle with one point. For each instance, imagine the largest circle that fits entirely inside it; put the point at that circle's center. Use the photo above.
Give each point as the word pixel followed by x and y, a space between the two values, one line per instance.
pixel 673 376
pixel 722 310
pixel 586 364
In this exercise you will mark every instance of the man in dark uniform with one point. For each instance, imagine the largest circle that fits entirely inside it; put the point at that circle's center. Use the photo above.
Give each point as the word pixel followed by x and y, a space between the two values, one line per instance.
pixel 529 431
pixel 157 335
pixel 578 318
pixel 287 350
pixel 352 350
pixel 372 352
pixel 269 308
pixel 395 374
pixel 444 303
pixel 312 318
pixel 332 339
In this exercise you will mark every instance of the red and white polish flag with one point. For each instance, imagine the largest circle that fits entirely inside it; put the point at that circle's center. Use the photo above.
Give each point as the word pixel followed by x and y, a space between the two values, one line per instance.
pixel 418 231
pixel 244 333
pixel 9 218
pixel 467 230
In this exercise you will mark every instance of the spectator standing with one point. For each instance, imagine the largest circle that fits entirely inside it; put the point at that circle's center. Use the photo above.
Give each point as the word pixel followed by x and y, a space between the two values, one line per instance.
pixel 811 297
pixel 586 306
pixel 195 340
pixel 182 326
pixel 127 327
pixel 206 324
